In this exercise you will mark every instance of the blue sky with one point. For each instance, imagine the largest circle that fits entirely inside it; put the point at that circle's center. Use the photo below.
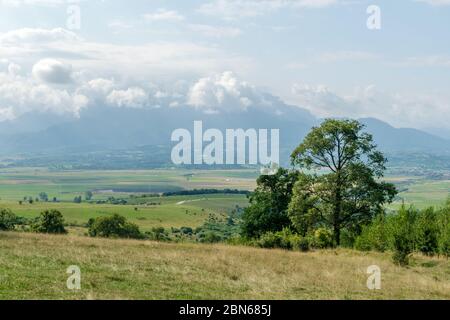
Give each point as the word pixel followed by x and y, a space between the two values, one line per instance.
pixel 317 54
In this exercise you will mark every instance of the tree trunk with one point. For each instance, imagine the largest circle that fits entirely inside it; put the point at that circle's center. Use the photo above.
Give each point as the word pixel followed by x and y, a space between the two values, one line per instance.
pixel 337 212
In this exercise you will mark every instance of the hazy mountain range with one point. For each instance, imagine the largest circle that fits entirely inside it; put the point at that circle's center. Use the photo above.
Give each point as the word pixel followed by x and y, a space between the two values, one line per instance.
pixel 106 128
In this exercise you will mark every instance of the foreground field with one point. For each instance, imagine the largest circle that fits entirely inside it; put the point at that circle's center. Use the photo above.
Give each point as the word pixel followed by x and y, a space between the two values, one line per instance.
pixel 34 267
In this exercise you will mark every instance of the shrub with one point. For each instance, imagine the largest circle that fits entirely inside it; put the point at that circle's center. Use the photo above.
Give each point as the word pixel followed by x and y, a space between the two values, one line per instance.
pixel 8 220
pixel 284 239
pixel 374 236
pixel 210 237
pixel 186 230
pixel 300 243
pixel 269 240
pixel 323 238
pixel 404 235
pixel 428 230
pixel 444 234
pixel 158 234
pixel 50 221
pixel 114 226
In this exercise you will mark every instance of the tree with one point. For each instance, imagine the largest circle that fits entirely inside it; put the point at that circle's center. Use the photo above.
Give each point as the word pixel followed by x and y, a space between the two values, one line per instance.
pixel 88 195
pixel 43 196
pixel 344 191
pixel 115 226
pixel 50 221
pixel 8 220
pixel 269 203
pixel 77 199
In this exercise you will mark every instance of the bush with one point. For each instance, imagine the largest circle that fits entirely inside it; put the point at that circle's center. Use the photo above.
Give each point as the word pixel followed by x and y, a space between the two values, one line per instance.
pixel 444 234
pixel 323 238
pixel 8 220
pixel 280 239
pixel 404 235
pixel 284 239
pixel 300 243
pixel 50 221
pixel 210 237
pixel 428 230
pixel 158 234
pixel 114 226
pixel 374 236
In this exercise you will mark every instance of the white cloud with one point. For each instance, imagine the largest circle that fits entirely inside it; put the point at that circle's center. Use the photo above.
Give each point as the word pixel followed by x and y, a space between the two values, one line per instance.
pixel 52 71
pixel 19 95
pixel 130 98
pixel 232 9
pixel 154 59
pixel 224 92
pixel 14 69
pixel 164 15
pixel 405 110
pixel 31 36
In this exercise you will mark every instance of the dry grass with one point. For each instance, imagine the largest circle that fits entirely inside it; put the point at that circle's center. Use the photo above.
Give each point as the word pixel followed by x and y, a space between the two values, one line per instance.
pixel 33 267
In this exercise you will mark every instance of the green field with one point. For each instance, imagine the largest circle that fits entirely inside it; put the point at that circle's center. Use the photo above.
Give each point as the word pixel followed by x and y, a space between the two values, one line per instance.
pixel 175 211
pixel 65 185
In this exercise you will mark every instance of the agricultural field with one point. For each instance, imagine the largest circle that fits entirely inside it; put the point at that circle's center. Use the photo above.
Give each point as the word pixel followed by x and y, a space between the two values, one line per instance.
pixel 157 211
pixel 34 265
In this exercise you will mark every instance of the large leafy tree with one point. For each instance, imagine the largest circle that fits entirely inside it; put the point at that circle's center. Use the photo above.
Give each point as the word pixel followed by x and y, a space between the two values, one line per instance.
pixel 344 190
pixel 269 203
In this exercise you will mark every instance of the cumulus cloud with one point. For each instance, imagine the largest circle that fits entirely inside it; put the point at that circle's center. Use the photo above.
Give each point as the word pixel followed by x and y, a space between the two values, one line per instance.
pixel 405 110
pixel 129 98
pixel 219 92
pixel 52 71
pixel 153 59
pixel 19 95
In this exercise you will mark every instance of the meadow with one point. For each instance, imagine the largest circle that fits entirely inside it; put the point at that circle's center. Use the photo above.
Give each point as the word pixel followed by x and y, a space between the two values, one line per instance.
pixel 34 265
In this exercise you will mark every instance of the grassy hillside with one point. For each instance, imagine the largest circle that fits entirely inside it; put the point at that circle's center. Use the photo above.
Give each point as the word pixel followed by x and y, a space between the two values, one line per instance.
pixel 34 266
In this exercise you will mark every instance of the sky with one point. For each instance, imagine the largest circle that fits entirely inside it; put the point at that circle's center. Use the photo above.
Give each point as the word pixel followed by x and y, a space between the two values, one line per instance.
pixel 65 55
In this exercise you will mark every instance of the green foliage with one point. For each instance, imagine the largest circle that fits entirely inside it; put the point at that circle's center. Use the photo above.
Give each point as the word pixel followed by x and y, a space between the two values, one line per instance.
pixel 428 232
pixel 323 238
pixel 444 226
pixel 209 237
pixel 349 195
pixel 404 235
pixel 8 220
pixel 88 195
pixel 158 234
pixel 50 221
pixel 374 236
pixel 284 239
pixel 43 196
pixel 115 226
pixel 269 203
